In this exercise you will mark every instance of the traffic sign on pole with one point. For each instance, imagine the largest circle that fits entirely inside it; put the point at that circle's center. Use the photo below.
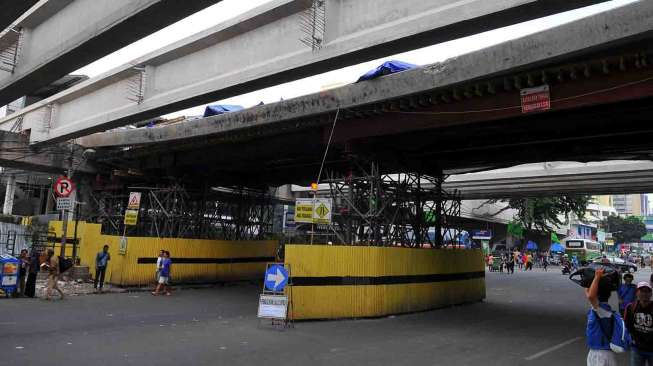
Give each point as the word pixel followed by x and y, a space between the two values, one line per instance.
pixel 134 201
pixel 64 203
pixel 63 187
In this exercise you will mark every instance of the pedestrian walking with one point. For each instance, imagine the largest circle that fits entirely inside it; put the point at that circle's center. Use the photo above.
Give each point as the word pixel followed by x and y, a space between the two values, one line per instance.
pixel 520 260
pixel 52 266
pixel 598 318
pixel 22 273
pixel 164 276
pixel 101 262
pixel 626 292
pixel 639 321
pixel 490 262
pixel 32 272
pixel 529 262
pixel 545 263
pixel 159 264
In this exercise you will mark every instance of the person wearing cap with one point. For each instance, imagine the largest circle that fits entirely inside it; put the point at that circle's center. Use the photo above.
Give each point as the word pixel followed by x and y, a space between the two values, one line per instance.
pixel 638 317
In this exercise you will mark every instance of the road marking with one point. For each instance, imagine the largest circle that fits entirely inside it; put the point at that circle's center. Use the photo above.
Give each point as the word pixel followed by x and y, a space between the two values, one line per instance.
pixel 554 348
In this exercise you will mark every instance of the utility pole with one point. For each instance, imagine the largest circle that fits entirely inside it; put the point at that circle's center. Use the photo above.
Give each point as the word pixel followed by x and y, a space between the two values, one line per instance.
pixel 64 225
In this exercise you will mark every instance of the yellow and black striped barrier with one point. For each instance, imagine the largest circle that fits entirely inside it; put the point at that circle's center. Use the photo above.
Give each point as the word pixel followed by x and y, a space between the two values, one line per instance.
pixel 193 260
pixel 332 282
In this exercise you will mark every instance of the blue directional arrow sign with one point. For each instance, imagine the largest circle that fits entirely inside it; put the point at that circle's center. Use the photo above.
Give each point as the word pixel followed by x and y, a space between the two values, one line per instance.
pixel 276 278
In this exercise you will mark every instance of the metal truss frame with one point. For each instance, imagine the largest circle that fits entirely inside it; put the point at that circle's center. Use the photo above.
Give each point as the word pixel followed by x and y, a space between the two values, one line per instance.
pixel 402 209
pixel 173 212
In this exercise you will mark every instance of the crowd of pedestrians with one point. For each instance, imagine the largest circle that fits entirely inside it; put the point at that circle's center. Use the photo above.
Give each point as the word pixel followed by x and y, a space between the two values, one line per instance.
pixel 506 262
pixel 631 328
pixel 31 264
pixel 29 267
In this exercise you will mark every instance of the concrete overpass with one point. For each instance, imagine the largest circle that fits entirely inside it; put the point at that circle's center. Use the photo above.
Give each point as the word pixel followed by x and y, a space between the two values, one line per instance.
pixel 12 9
pixel 280 41
pixel 555 178
pixel 16 153
pixel 461 115
pixel 56 37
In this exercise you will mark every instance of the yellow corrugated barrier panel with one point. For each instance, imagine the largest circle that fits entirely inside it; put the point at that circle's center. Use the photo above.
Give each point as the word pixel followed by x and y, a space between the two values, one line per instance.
pixel 330 282
pixel 193 260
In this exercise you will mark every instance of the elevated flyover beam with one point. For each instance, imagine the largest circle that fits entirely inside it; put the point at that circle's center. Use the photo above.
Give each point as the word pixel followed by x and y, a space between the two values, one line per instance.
pixel 280 41
pixel 10 10
pixel 610 177
pixel 16 153
pixel 56 37
pixel 588 35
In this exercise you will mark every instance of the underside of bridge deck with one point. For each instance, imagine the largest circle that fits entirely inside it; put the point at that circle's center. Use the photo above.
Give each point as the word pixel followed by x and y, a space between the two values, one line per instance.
pixel 600 104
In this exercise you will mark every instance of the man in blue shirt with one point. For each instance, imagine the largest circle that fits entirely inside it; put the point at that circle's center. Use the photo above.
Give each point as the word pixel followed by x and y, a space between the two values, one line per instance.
pixel 626 292
pixel 164 275
pixel 599 318
pixel 101 261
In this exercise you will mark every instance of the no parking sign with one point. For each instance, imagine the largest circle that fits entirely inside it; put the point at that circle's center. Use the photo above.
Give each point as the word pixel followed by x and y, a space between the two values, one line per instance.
pixel 63 187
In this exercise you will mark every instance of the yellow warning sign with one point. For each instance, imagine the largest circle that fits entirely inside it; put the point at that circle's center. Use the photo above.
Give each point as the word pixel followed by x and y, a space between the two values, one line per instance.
pixel 313 210
pixel 131 217
pixel 322 210
pixel 304 211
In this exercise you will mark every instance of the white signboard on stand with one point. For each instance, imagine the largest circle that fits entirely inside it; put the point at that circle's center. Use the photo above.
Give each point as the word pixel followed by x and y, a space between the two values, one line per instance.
pixel 273 306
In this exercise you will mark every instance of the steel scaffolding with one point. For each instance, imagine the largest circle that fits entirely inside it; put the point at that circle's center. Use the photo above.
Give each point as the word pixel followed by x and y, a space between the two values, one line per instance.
pixel 173 212
pixel 402 209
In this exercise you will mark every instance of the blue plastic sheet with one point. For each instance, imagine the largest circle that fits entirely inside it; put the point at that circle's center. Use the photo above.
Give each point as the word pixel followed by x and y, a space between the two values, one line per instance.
pixel 531 245
pixel 388 67
pixel 216 109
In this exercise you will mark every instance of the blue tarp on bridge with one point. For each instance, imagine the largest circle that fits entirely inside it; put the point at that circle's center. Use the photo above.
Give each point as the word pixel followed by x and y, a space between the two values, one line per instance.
pixel 388 67
pixel 216 109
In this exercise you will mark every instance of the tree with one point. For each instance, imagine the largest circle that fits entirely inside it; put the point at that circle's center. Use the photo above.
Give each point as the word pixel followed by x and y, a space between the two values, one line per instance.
pixel 625 230
pixel 545 213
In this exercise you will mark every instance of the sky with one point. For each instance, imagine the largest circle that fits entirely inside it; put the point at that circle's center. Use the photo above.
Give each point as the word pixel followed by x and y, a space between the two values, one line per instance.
pixel 227 9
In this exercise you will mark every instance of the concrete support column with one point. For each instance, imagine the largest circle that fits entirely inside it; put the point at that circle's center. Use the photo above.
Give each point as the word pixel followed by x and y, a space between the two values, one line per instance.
pixel 49 203
pixel 9 195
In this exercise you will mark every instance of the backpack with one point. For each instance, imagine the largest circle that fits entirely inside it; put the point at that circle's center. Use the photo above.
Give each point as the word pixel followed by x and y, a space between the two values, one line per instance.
pixel 64 264
pixel 620 339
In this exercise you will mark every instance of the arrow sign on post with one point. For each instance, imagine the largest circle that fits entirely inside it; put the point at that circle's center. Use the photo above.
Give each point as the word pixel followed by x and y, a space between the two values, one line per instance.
pixel 276 278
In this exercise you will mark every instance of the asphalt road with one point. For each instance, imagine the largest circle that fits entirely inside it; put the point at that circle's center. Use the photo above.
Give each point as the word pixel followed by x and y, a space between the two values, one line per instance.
pixel 532 318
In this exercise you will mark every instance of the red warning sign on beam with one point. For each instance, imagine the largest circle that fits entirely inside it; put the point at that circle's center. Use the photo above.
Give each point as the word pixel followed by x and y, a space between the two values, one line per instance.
pixel 535 99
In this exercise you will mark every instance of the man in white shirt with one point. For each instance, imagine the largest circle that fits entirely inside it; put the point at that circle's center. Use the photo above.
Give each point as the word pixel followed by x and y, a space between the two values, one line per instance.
pixel 159 265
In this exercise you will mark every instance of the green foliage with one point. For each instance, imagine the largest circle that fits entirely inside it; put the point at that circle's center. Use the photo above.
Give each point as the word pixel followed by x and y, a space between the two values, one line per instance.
pixel 545 213
pixel 516 229
pixel 625 230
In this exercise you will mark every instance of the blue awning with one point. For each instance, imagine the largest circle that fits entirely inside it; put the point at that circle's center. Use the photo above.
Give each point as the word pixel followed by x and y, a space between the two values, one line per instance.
pixel 216 109
pixel 388 67
pixel 531 245
pixel 557 247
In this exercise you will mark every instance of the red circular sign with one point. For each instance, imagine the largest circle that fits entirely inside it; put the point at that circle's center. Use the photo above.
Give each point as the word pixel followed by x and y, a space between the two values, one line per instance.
pixel 63 187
